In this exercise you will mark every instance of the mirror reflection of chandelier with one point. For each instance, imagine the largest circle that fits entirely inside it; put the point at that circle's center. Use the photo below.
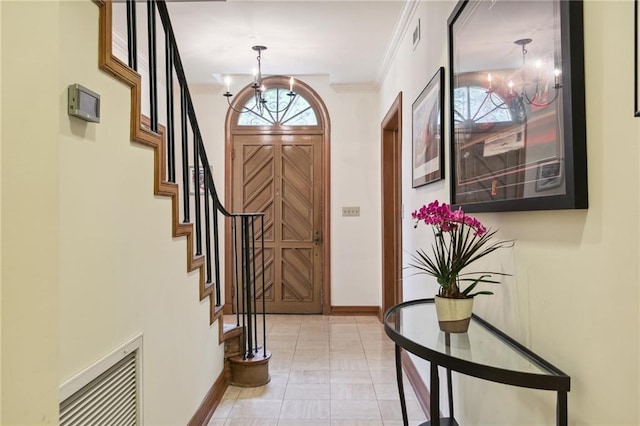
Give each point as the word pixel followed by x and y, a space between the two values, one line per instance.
pixel 517 99
pixel 260 104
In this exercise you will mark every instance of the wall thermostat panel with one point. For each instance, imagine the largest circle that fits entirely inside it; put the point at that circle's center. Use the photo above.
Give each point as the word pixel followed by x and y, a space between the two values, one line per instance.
pixel 84 103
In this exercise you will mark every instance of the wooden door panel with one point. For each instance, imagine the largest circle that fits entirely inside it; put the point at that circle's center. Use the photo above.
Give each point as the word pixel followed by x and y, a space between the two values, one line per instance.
pixel 297 275
pixel 297 194
pixel 258 190
pixel 281 176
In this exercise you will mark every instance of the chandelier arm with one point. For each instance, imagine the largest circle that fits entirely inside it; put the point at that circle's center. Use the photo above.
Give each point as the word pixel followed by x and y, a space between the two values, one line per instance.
pixel 495 107
pixel 292 97
pixel 524 95
pixel 502 105
pixel 239 111
pixel 261 117
pixel 547 103
pixel 286 108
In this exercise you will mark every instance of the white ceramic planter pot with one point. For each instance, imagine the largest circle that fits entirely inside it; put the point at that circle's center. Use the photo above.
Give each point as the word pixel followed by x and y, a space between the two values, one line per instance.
pixel 454 315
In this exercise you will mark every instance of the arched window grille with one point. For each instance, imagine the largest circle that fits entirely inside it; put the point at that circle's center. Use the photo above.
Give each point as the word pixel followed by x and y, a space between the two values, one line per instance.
pixel 473 104
pixel 278 111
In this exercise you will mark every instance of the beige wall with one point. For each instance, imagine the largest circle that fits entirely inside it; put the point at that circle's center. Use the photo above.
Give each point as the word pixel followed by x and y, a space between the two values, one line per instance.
pixel 30 213
pixel 88 259
pixel 355 180
pixel 574 297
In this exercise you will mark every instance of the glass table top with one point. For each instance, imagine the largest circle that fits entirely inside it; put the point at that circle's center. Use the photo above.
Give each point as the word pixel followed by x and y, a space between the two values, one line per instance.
pixel 414 326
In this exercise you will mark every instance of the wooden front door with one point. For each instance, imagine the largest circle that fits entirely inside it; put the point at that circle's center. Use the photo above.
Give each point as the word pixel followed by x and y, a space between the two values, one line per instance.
pixel 281 175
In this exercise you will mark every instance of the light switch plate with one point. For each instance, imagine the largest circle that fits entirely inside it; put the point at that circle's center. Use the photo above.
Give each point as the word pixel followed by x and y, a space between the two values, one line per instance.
pixel 351 211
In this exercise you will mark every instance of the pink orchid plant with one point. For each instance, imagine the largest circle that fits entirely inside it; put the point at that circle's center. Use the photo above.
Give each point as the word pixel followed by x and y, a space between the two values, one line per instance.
pixel 459 241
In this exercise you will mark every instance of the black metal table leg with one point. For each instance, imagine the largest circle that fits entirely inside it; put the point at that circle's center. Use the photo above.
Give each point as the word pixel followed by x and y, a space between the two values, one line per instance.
pixel 403 403
pixel 562 415
pixel 435 396
pixel 450 393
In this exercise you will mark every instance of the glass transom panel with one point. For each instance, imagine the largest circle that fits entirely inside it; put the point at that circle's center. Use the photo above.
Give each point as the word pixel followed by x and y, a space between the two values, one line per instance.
pixel 278 110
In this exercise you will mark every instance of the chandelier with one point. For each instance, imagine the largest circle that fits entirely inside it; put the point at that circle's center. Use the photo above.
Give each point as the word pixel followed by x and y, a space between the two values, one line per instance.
pixel 517 99
pixel 260 103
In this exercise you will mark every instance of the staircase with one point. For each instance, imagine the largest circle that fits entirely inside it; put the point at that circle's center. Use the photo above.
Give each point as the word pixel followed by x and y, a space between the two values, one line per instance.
pixel 180 160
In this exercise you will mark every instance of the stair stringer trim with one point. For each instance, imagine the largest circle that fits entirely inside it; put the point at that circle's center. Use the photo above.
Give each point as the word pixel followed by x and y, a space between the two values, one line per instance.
pixel 109 63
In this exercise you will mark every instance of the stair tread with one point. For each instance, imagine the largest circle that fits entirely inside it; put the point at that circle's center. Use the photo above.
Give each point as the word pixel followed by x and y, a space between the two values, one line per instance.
pixel 228 327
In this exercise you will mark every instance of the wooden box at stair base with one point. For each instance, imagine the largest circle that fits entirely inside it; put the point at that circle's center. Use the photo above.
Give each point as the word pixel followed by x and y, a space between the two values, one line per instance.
pixel 250 372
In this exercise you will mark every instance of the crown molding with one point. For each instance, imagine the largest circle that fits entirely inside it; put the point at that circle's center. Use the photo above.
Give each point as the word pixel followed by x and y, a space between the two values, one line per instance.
pixel 406 16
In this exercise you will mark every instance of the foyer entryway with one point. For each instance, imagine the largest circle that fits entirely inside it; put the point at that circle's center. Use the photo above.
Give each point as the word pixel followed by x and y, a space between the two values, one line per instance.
pixel 277 163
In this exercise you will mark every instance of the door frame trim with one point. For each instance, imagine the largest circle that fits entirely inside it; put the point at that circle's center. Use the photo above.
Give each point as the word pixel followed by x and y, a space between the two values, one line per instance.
pixel 391 201
pixel 324 129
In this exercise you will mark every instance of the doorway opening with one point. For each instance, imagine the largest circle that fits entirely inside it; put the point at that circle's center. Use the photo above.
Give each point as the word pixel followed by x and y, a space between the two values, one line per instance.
pixel 391 171
pixel 277 162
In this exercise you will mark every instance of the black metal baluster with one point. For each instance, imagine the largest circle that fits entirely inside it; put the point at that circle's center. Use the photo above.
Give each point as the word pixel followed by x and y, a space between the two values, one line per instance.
pixel 216 250
pixel 253 296
pixel 132 36
pixel 153 82
pixel 247 280
pixel 264 310
pixel 234 233
pixel 196 186
pixel 243 275
pixel 207 230
pixel 171 144
pixel 185 153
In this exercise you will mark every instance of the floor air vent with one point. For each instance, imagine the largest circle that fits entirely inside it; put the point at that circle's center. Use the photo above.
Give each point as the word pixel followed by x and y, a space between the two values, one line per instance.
pixel 108 393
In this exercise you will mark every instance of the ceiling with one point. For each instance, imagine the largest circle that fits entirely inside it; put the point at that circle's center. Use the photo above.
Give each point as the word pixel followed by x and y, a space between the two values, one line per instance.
pixel 350 41
pixel 346 40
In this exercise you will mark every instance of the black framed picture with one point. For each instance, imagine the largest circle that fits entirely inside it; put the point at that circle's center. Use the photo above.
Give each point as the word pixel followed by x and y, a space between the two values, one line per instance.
pixel 427 131
pixel 518 132
pixel 636 22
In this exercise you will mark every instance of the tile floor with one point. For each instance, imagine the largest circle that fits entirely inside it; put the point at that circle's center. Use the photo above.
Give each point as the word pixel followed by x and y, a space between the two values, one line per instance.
pixel 325 371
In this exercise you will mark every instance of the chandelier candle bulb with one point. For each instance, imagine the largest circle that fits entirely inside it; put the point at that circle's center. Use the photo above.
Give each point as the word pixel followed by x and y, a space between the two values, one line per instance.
pixel 556 75
pixel 489 78
pixel 227 80
pixel 291 84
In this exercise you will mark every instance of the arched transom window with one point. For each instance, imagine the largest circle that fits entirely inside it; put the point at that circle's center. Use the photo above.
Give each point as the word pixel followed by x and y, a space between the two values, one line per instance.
pixel 278 110
pixel 472 104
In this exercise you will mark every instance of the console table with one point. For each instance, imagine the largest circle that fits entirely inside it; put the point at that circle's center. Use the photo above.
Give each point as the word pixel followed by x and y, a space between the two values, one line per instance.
pixel 483 352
